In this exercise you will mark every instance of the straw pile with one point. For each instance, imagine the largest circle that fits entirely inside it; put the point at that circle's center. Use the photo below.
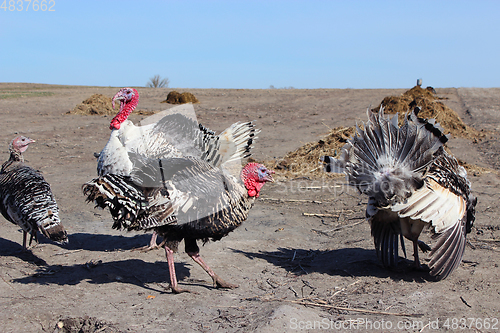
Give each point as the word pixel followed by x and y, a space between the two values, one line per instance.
pixel 305 160
pixel 431 108
pixel 96 104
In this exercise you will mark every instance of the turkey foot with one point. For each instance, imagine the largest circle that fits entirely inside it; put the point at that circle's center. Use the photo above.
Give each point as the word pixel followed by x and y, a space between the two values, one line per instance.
pixel 152 244
pixel 218 282
pixel 178 290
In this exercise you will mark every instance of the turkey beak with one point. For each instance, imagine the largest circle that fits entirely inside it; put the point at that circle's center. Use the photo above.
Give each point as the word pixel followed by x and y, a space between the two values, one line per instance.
pixel 117 97
pixel 268 176
pixel 29 141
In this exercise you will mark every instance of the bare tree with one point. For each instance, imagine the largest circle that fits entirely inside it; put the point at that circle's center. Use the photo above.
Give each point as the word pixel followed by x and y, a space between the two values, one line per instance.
pixel 157 82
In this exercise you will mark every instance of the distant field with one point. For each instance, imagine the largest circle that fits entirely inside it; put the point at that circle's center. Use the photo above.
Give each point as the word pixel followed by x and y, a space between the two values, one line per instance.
pixel 23 94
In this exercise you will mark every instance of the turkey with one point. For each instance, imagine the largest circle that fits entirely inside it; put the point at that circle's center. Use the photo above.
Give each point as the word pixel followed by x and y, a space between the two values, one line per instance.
pixel 175 133
pixel 412 183
pixel 178 179
pixel 26 198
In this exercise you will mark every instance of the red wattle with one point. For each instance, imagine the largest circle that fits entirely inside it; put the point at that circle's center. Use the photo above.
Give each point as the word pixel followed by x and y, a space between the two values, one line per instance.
pixel 125 110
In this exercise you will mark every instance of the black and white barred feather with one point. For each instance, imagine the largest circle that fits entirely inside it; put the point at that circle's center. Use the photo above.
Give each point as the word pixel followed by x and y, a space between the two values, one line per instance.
pixel 191 186
pixel 412 183
pixel 27 200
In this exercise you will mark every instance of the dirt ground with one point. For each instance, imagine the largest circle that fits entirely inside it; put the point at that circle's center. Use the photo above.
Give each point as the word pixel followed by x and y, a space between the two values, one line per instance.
pixel 296 272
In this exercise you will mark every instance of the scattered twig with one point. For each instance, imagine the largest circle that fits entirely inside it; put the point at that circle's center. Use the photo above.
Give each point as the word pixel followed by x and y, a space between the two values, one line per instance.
pixel 66 252
pixel 297 200
pixel 325 232
pixel 320 215
pixel 302 268
pixel 341 290
pixel 315 169
pixel 489 240
pixel 7 282
pixel 425 326
pixel 356 309
pixel 291 288
pixel 318 187
pixel 465 302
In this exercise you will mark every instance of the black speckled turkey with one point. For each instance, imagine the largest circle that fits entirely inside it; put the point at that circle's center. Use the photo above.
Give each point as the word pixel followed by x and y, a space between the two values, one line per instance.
pixel 26 198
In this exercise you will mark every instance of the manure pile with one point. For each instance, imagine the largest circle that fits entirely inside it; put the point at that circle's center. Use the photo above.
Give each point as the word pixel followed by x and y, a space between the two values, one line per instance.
pixel 101 105
pixel 305 160
pixel 96 104
pixel 175 97
pixel 431 108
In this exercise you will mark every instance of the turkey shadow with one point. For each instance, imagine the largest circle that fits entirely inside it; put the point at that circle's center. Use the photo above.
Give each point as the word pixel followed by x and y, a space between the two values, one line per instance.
pixel 106 243
pixel 9 248
pixel 344 262
pixel 146 275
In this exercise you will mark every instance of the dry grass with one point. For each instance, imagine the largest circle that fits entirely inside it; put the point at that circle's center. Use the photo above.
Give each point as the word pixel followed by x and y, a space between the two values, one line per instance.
pixel 101 105
pixel 305 160
pixel 96 104
pixel 431 108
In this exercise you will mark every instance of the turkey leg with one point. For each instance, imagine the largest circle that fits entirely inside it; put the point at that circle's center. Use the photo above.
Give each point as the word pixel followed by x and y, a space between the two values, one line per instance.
pixel 171 269
pixel 218 282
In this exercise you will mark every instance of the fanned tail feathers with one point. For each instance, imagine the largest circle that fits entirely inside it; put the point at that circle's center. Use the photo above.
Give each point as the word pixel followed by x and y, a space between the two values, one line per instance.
pixel 385 161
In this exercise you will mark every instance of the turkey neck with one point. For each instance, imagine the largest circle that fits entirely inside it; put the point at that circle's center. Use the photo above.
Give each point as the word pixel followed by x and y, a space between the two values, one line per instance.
pixel 126 110
pixel 15 156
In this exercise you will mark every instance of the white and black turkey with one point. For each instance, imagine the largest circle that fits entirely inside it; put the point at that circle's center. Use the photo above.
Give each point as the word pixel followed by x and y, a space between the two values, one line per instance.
pixel 26 198
pixel 174 134
pixel 183 182
pixel 412 183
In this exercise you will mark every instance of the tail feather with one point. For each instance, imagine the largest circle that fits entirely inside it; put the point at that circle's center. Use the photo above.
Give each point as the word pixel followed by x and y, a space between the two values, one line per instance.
pixel 448 251
pixel 386 231
pixel 232 144
pixel 386 161
pixel 132 207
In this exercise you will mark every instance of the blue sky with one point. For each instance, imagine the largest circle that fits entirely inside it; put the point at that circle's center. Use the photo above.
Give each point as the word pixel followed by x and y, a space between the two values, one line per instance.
pixel 254 44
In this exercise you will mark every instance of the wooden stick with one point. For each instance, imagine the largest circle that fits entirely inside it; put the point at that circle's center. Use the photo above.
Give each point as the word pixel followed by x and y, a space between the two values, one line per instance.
pixel 13 288
pixel 341 290
pixel 296 200
pixel 320 215
pixel 318 187
pixel 355 309
pixel 66 252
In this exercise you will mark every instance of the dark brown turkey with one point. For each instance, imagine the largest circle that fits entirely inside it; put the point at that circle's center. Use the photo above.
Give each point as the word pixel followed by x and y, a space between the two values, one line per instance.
pixel 191 187
pixel 412 183
pixel 26 198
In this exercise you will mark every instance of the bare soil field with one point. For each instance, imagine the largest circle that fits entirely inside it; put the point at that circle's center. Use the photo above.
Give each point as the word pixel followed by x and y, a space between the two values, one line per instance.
pixel 304 260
